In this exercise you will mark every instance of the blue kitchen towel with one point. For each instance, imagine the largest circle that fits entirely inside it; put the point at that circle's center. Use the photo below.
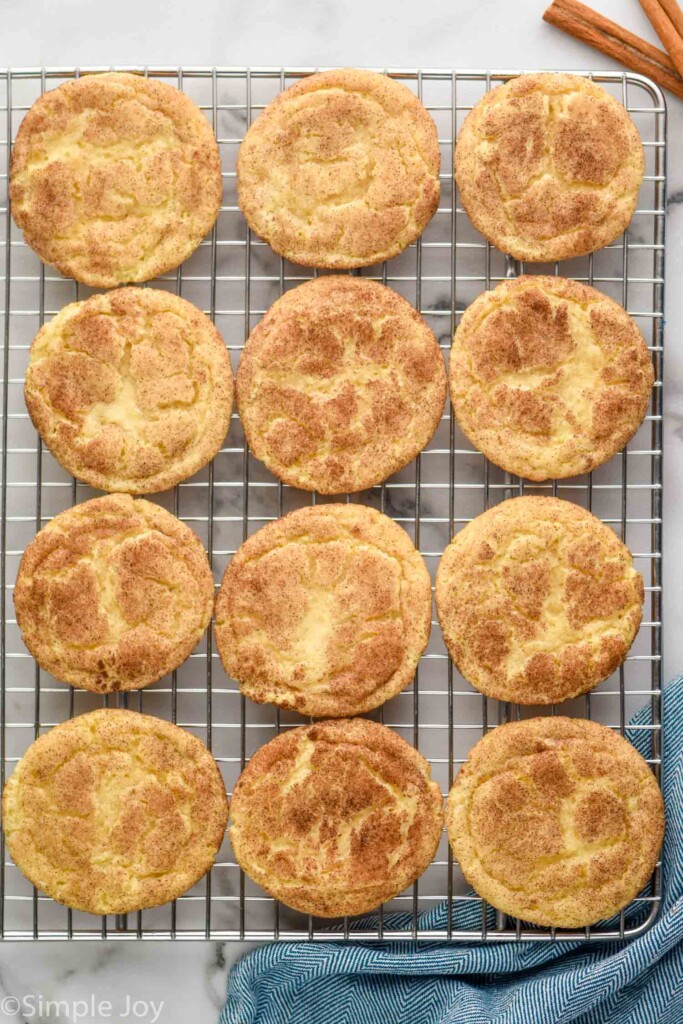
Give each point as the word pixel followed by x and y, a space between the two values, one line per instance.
pixel 637 982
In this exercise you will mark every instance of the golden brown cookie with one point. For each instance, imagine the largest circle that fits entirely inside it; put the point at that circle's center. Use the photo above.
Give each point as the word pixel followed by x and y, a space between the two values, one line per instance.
pixel 548 377
pixel 131 391
pixel 557 821
pixel 340 385
pixel 326 611
pixel 113 594
pixel 549 167
pixel 538 600
pixel 336 818
pixel 114 811
pixel 115 178
pixel 340 170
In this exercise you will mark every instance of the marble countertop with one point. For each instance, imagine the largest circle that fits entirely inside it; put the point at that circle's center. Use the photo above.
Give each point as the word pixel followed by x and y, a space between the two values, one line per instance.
pixel 128 981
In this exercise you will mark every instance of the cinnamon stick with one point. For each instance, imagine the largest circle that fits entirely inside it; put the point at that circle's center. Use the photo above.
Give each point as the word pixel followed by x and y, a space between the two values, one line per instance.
pixel 585 24
pixel 675 14
pixel 666 31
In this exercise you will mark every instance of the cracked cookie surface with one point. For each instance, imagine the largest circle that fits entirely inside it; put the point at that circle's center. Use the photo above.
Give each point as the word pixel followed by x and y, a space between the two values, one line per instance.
pixel 340 385
pixel 115 178
pixel 113 594
pixel 548 377
pixel 114 811
pixel 341 170
pixel 557 821
pixel 549 167
pixel 336 818
pixel 538 600
pixel 131 391
pixel 325 611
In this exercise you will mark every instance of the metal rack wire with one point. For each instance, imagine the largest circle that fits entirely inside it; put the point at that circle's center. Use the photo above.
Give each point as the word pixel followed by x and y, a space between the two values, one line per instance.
pixel 235 277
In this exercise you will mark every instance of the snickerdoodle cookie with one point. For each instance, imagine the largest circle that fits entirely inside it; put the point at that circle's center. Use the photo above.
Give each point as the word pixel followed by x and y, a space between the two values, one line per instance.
pixel 557 821
pixel 340 170
pixel 548 377
pixel 336 818
pixel 131 391
pixel 114 811
pixel 113 594
pixel 538 600
pixel 115 178
pixel 326 611
pixel 340 385
pixel 549 167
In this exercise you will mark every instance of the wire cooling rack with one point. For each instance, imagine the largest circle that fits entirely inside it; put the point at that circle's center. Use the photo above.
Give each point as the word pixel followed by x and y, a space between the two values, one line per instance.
pixel 234 277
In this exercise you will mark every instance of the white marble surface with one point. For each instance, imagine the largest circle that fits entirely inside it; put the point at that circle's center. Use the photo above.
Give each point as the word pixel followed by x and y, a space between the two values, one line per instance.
pixel 189 978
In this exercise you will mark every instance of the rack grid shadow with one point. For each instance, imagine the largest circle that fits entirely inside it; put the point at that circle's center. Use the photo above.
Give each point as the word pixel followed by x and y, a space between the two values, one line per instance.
pixel 234 277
